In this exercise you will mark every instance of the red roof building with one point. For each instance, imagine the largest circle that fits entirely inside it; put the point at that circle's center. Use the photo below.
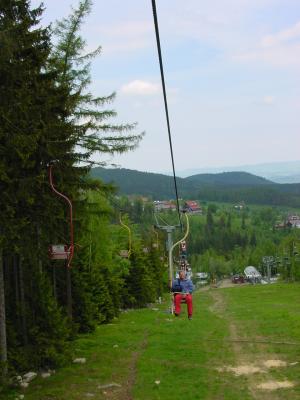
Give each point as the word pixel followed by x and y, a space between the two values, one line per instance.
pixel 193 207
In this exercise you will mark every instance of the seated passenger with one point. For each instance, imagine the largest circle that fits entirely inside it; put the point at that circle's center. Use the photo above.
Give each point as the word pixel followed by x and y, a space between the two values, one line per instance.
pixel 183 289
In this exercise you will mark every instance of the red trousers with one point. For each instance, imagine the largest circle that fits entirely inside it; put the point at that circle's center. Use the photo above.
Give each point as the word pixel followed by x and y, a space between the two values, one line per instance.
pixel 189 301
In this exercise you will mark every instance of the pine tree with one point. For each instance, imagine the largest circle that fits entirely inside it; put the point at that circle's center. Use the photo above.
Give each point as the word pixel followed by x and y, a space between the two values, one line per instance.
pixel 46 114
pixel 141 288
pixel 94 132
pixel 243 226
pixel 3 340
pixel 27 96
pixel 209 221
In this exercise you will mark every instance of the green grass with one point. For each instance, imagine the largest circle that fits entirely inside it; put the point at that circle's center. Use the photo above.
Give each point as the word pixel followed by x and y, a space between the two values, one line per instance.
pixel 183 355
pixel 270 314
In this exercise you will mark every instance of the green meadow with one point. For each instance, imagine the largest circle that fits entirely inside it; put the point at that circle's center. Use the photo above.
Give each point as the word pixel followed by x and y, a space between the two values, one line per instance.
pixel 243 343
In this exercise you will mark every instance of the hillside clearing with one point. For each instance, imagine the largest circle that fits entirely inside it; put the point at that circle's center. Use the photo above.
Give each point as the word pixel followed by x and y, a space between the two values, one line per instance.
pixel 243 343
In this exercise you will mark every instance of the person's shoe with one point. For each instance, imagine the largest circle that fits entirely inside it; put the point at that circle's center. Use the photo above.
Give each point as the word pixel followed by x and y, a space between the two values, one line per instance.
pixel 176 315
pixel 190 317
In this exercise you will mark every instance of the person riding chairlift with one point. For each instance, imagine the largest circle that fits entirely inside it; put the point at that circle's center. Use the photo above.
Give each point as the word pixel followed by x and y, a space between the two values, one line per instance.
pixel 183 289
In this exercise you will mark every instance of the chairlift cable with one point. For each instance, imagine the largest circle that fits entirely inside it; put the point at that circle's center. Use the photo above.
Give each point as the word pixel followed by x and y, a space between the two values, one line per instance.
pixel 166 105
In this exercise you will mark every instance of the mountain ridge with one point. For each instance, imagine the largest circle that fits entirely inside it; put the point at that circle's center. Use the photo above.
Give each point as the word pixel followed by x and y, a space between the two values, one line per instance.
pixel 278 172
pixel 229 178
pixel 248 187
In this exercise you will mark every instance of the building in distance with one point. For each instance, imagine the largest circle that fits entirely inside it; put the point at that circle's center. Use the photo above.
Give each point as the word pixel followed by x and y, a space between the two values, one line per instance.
pixel 192 207
pixel 293 221
pixel 164 206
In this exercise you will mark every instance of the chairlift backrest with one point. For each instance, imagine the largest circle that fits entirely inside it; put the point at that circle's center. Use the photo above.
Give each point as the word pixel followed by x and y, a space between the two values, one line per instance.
pixel 59 252
pixel 183 246
pixel 62 251
pixel 124 253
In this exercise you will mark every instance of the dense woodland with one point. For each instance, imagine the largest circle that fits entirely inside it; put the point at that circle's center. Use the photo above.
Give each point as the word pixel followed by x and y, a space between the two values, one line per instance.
pixel 47 114
pixel 224 240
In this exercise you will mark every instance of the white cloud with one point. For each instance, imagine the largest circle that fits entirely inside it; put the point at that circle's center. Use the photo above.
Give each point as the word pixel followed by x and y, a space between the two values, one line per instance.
pixel 285 35
pixel 269 100
pixel 276 56
pixel 281 49
pixel 139 87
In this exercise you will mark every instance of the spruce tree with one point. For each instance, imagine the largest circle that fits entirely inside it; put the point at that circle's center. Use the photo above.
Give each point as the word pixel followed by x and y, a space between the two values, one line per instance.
pixel 46 114
pixel 91 122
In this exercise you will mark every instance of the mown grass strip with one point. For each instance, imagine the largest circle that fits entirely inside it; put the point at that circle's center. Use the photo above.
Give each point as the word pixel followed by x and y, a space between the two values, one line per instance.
pixel 153 355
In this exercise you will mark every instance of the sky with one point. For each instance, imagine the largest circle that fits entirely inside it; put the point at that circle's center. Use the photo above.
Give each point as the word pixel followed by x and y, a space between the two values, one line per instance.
pixel 232 77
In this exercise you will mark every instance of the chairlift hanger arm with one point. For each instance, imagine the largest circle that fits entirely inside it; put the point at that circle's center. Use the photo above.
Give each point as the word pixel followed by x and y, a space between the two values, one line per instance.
pixel 129 234
pixel 186 232
pixel 166 227
pixel 68 201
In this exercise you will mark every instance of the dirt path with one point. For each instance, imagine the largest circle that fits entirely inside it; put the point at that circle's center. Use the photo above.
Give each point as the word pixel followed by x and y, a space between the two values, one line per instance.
pixel 133 369
pixel 252 361
pixel 125 391
pixel 224 283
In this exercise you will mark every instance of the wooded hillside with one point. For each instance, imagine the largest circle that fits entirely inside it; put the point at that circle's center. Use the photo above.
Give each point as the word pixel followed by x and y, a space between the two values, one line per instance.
pixel 224 187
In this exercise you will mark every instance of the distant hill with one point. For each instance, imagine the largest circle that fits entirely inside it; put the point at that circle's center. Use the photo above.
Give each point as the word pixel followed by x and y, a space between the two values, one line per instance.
pixel 229 178
pixel 286 179
pixel 279 172
pixel 227 186
pixel 144 183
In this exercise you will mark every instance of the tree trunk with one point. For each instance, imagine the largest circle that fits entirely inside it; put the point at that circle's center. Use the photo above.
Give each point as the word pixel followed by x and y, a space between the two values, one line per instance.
pixel 22 304
pixel 54 282
pixel 69 293
pixel 38 234
pixel 17 290
pixel 16 278
pixel 3 342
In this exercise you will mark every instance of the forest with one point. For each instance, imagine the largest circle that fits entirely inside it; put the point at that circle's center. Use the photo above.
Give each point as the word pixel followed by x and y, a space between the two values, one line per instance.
pixel 49 117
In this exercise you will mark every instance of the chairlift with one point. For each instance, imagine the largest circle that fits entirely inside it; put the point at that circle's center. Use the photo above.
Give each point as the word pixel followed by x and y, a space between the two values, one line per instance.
pixel 125 253
pixel 182 247
pixel 62 251
pixel 59 252
pixel 182 263
pixel 155 244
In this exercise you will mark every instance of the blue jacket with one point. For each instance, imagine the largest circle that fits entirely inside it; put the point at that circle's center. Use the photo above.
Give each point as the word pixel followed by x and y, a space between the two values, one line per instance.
pixel 186 285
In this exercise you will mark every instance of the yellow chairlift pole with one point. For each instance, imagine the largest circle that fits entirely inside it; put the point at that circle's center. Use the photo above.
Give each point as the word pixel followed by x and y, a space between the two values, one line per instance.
pixel 129 235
